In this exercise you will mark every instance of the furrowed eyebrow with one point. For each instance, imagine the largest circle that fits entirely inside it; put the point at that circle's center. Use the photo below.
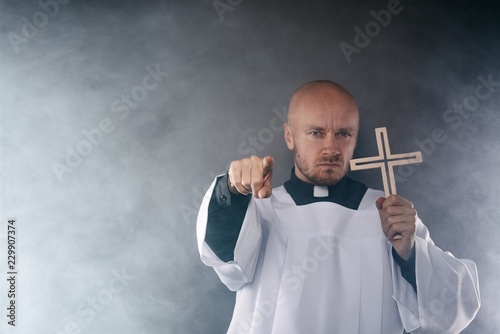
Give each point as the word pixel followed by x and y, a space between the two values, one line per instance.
pixel 314 128
pixel 348 130
pixel 320 128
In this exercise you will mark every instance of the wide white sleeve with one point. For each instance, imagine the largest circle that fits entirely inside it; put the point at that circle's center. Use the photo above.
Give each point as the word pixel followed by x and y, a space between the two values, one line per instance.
pixel 234 274
pixel 447 297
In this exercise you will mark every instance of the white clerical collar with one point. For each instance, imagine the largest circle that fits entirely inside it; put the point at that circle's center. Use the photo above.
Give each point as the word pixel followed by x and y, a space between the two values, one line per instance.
pixel 346 192
pixel 320 191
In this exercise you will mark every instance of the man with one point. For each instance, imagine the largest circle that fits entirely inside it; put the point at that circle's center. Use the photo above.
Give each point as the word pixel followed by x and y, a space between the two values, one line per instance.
pixel 320 253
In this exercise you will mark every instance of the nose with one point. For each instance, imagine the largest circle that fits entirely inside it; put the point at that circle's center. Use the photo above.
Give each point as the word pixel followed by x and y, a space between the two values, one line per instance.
pixel 331 146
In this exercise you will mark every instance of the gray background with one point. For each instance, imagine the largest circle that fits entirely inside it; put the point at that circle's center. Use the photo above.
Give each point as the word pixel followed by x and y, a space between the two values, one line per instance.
pixel 128 206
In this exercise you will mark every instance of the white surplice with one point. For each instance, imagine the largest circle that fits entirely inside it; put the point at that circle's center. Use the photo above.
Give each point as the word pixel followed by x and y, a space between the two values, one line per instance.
pixel 323 268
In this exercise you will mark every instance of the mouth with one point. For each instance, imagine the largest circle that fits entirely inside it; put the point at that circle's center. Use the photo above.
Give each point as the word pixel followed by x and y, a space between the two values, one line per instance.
pixel 329 164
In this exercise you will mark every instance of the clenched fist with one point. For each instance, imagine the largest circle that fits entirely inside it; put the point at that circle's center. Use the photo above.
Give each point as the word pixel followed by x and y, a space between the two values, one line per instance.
pixel 251 176
pixel 398 218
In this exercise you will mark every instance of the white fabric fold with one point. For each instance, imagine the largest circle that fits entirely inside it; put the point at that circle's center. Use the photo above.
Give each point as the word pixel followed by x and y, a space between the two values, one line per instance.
pixel 323 268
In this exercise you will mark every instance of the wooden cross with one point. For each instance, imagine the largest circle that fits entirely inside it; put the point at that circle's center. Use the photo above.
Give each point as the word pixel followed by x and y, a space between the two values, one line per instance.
pixel 386 161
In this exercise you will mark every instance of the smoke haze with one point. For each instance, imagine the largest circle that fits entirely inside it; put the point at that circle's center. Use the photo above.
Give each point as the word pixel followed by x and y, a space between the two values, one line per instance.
pixel 116 116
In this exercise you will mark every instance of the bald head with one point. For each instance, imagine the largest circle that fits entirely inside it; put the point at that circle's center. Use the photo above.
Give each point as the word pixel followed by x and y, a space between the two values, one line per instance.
pixel 323 94
pixel 322 130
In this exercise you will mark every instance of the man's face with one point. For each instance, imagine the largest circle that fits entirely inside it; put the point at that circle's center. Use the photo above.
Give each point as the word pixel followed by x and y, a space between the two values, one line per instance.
pixel 322 133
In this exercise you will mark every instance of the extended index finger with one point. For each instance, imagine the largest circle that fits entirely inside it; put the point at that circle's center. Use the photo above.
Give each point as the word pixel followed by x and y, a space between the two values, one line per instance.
pixel 267 173
pixel 267 164
pixel 267 170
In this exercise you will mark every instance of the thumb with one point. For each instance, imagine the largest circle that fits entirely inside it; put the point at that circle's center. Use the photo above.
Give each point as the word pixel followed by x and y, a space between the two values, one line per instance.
pixel 379 202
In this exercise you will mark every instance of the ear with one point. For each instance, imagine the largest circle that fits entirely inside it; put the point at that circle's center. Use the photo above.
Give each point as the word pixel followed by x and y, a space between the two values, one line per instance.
pixel 288 136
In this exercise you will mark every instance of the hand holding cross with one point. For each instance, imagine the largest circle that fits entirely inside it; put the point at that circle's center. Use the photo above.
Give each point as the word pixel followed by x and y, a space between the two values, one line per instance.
pixel 397 215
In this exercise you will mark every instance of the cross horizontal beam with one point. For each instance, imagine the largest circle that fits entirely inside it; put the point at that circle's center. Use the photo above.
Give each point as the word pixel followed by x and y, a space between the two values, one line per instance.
pixel 386 161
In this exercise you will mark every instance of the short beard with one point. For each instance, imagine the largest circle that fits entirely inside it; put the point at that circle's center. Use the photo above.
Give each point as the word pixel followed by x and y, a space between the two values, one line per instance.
pixel 329 180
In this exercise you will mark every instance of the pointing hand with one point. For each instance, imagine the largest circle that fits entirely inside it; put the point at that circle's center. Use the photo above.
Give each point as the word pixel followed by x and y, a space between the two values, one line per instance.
pixel 251 176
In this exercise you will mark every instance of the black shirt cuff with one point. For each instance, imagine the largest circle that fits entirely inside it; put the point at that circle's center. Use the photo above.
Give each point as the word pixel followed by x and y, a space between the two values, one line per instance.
pixel 226 213
pixel 407 267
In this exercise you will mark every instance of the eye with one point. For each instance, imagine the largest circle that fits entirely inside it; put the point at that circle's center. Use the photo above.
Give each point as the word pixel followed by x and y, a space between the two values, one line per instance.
pixel 344 134
pixel 316 133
